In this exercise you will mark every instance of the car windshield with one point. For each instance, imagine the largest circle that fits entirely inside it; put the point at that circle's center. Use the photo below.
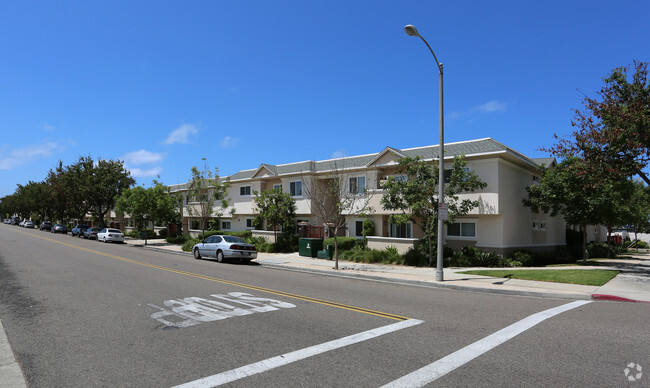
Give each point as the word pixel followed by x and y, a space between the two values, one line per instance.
pixel 233 239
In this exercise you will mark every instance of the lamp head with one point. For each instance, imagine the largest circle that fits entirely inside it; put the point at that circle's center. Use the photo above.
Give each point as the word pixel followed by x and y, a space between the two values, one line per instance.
pixel 411 30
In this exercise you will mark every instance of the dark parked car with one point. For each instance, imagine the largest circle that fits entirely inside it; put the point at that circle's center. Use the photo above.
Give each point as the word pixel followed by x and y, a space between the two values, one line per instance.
pixel 45 225
pixel 59 228
pixel 91 233
pixel 78 230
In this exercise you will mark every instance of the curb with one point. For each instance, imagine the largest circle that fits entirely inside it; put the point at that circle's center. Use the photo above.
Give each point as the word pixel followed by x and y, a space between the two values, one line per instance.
pixel 425 284
pixel 615 298
pixel 10 370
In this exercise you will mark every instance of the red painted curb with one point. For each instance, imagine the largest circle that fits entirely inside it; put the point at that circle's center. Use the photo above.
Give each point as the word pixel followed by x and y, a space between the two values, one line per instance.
pixel 615 298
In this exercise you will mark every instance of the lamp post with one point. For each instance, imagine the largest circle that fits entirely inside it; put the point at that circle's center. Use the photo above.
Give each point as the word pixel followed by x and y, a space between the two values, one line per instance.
pixel 442 208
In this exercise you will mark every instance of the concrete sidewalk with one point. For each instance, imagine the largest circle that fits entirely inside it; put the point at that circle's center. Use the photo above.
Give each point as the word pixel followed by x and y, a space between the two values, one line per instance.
pixel 632 284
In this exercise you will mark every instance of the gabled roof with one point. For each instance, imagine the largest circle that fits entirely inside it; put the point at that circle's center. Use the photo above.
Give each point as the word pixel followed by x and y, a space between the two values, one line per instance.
pixel 387 150
pixel 270 170
pixel 470 148
pixel 545 162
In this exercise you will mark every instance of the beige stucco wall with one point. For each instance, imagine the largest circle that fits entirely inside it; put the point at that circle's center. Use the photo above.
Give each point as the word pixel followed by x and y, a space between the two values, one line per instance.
pixel 380 243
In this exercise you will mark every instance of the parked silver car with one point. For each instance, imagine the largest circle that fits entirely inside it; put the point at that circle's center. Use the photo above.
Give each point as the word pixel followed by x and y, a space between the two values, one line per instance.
pixel 110 235
pixel 29 224
pixel 225 247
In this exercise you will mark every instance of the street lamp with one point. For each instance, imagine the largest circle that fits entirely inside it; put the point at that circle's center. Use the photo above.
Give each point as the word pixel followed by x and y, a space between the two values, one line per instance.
pixel 442 208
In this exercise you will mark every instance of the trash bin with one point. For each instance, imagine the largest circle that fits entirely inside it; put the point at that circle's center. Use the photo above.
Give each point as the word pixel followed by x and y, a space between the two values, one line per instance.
pixel 330 251
pixel 309 246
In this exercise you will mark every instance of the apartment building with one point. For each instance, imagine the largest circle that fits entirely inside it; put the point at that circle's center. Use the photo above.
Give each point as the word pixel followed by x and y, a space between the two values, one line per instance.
pixel 500 223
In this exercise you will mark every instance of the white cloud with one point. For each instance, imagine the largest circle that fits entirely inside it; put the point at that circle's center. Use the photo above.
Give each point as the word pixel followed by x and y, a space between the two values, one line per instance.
pixel 181 134
pixel 27 154
pixel 48 127
pixel 492 106
pixel 143 157
pixel 338 154
pixel 145 173
pixel 229 142
pixel 489 107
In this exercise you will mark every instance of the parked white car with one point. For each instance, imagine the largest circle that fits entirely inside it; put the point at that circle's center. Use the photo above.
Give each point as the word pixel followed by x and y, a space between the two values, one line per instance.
pixel 110 235
pixel 28 224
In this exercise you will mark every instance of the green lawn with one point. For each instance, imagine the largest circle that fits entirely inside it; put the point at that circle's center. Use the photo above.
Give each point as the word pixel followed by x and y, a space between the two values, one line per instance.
pixel 588 277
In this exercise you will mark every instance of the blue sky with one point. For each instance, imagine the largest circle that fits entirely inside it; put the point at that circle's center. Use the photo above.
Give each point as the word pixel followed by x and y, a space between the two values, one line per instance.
pixel 163 84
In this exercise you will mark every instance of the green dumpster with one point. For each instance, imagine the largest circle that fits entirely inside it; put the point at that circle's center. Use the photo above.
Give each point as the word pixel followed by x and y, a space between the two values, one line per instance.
pixel 309 246
pixel 330 251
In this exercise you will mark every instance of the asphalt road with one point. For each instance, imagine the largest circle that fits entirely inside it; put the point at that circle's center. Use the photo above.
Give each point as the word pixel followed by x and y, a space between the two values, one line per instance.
pixel 80 313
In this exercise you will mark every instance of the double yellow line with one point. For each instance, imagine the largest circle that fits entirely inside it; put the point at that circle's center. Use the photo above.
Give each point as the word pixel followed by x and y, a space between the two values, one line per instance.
pixel 223 281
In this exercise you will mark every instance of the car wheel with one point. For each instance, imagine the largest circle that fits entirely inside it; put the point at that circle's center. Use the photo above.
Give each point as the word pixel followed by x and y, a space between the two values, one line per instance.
pixel 220 256
pixel 197 254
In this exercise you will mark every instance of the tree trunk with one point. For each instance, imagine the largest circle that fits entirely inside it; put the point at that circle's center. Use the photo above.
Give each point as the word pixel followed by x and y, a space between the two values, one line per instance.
pixel 583 228
pixel 430 243
pixel 609 243
pixel 336 249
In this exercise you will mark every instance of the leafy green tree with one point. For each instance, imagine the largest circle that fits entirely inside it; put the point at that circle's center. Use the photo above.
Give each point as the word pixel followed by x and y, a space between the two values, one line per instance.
pixel 417 196
pixel 367 229
pixel 615 197
pixel 277 209
pixel 9 205
pixel 638 215
pixel 566 190
pixel 153 204
pixel 76 186
pixel 613 130
pixel 106 180
pixel 207 189
pixel 58 192
pixel 37 198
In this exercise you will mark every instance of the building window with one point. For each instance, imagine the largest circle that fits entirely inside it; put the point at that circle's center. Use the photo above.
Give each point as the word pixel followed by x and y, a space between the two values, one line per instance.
pixel 295 189
pixel 357 185
pixel 401 231
pixel 539 226
pixel 358 228
pixel 462 229
pixel 398 178
pixel 245 191
pixel 249 223
pixel 277 187
pixel 447 174
pixel 226 225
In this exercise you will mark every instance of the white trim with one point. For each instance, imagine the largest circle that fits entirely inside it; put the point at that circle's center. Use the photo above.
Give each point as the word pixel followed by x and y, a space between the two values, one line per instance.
pixel 518 245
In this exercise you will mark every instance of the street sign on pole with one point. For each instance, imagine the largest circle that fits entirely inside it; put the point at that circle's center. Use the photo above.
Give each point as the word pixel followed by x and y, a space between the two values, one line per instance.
pixel 443 211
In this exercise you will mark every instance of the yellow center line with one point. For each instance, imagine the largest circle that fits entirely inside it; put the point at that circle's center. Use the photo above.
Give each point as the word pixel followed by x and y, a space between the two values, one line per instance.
pixel 223 281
